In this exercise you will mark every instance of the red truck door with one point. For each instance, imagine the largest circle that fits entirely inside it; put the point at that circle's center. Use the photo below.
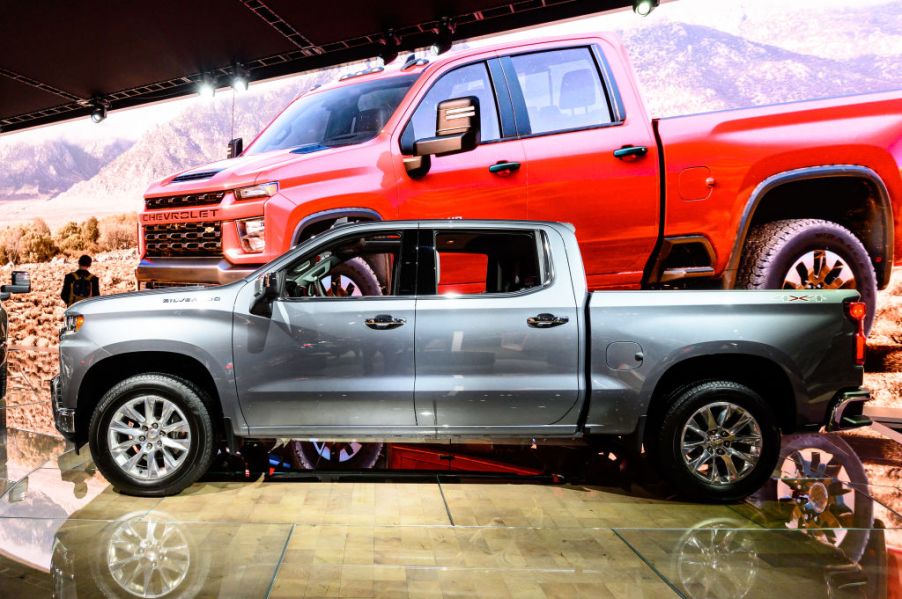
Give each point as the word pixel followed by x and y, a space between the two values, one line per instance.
pixel 588 162
pixel 461 185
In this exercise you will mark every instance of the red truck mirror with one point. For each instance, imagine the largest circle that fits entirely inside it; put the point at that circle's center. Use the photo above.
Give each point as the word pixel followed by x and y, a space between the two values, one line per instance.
pixel 456 130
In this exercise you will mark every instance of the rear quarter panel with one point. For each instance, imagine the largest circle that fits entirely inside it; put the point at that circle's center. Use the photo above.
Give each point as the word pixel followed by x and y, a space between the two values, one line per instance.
pixel 811 341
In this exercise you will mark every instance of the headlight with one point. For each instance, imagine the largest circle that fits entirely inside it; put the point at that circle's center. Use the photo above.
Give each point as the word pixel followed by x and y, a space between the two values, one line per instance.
pixel 264 190
pixel 251 231
pixel 74 322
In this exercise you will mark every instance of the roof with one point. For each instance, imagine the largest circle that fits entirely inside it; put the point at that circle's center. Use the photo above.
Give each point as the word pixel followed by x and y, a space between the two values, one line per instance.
pixel 53 64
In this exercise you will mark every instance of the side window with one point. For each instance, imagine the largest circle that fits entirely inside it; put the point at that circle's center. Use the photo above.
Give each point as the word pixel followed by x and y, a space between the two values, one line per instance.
pixel 485 262
pixel 471 80
pixel 356 266
pixel 562 90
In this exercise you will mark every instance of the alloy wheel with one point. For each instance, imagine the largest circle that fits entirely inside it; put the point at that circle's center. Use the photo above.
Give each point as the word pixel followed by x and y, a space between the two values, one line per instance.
pixel 149 437
pixel 721 443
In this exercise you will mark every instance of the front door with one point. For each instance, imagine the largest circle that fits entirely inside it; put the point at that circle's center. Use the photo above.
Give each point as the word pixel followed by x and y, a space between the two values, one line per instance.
pixel 336 354
pixel 502 358
pixel 487 182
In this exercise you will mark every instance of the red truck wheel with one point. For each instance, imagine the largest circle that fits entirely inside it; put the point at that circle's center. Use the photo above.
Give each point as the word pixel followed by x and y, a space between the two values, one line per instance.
pixel 323 455
pixel 808 254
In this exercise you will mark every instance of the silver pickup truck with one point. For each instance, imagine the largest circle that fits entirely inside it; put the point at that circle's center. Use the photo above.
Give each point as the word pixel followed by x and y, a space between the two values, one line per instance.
pixel 484 330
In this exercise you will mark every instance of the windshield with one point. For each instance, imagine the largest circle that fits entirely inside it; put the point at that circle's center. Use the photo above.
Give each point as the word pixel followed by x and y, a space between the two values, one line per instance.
pixel 338 117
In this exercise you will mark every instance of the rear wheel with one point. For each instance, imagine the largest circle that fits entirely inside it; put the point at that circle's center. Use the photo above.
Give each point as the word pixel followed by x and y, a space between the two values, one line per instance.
pixel 808 254
pixel 151 435
pixel 326 455
pixel 718 441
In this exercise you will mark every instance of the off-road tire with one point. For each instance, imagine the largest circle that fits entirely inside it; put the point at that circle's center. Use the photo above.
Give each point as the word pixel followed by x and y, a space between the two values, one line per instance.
pixel 190 399
pixel 305 457
pixel 362 275
pixel 666 453
pixel 772 249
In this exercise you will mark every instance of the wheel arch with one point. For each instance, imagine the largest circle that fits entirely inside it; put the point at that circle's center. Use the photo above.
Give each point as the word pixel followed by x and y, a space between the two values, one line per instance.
pixel 104 374
pixel 318 222
pixel 870 220
pixel 761 374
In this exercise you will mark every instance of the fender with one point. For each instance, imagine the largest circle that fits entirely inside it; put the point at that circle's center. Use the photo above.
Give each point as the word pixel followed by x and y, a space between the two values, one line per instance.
pixel 333 214
pixel 813 172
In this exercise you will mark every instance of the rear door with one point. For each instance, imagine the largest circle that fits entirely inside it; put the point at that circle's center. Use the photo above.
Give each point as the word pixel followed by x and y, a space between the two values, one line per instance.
pixel 500 355
pixel 589 162
pixel 462 185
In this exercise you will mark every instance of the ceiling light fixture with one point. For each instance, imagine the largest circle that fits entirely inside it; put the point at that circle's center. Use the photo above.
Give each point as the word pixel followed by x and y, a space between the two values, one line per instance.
pixel 643 8
pixel 206 87
pixel 99 109
pixel 240 78
pixel 444 36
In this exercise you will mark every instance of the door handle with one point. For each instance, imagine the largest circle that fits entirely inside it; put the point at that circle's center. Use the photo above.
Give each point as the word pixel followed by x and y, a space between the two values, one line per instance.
pixel 504 167
pixel 546 321
pixel 632 152
pixel 384 322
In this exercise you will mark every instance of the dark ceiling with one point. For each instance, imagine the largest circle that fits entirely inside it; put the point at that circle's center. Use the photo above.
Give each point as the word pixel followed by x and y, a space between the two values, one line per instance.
pixel 57 55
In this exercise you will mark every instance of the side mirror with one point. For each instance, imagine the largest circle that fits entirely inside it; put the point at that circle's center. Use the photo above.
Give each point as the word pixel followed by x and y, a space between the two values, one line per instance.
pixel 236 147
pixel 266 289
pixel 20 283
pixel 457 129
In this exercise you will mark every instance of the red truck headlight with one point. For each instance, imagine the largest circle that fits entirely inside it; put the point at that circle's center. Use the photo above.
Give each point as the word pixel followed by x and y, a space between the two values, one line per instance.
pixel 264 190
pixel 857 311
pixel 251 232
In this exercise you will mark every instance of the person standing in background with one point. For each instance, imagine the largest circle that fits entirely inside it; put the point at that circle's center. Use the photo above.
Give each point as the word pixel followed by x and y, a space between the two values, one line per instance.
pixel 80 284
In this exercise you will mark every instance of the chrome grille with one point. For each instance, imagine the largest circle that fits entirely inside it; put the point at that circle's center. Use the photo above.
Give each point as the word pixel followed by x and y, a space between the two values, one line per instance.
pixel 183 239
pixel 194 199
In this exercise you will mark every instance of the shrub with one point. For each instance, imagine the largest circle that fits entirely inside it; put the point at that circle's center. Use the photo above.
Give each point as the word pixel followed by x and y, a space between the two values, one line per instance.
pixel 119 232
pixel 74 238
pixel 35 243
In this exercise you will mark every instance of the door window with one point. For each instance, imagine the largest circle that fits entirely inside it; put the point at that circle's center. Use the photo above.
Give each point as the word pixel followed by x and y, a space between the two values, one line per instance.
pixel 471 80
pixel 562 90
pixel 482 263
pixel 353 267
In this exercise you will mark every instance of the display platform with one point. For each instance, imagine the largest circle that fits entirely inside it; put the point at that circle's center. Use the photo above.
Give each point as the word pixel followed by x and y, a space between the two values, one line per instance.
pixel 830 525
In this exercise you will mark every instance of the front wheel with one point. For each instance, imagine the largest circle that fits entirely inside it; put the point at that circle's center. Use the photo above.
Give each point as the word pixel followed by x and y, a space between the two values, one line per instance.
pixel 718 441
pixel 151 435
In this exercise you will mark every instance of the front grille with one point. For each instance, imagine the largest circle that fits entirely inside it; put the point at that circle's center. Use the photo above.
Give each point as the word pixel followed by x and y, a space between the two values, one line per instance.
pixel 183 239
pixel 194 199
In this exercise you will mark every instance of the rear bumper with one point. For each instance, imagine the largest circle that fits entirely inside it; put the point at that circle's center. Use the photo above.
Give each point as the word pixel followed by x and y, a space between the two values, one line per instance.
pixel 63 418
pixel 847 410
pixel 192 271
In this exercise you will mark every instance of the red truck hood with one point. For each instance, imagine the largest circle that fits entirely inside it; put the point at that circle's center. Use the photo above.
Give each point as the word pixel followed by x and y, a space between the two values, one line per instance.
pixel 232 173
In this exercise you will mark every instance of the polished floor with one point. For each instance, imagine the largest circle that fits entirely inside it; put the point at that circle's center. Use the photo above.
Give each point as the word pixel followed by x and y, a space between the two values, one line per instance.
pixel 828 526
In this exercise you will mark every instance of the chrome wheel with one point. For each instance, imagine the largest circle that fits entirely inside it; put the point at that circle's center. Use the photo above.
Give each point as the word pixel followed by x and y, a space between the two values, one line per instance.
pixel 717 558
pixel 721 443
pixel 149 437
pixel 820 269
pixel 148 558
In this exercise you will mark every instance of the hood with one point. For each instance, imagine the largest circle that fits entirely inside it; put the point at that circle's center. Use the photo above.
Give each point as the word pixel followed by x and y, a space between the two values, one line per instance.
pixel 242 171
pixel 220 296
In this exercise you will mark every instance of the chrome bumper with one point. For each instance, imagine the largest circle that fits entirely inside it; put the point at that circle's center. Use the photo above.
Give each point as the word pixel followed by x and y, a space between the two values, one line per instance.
pixel 63 418
pixel 192 271
pixel 847 411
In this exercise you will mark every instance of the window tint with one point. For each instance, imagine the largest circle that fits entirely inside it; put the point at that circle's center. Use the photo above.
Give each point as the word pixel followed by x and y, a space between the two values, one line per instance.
pixel 471 80
pixel 562 89
pixel 348 268
pixel 472 263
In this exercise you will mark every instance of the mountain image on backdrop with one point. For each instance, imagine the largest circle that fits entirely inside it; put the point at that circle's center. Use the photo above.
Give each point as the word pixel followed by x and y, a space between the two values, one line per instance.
pixel 683 67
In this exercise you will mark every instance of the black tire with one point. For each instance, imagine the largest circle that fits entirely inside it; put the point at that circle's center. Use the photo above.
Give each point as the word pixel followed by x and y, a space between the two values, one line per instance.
pixel 773 248
pixel 189 399
pixel 360 274
pixel 306 455
pixel 668 443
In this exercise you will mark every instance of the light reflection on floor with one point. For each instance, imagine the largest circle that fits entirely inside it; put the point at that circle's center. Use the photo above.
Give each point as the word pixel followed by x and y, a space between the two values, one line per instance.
pixel 65 533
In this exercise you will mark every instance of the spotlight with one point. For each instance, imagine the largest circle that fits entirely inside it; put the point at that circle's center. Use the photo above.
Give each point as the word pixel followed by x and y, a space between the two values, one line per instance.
pixel 444 34
pixel 644 7
pixel 98 109
pixel 206 87
pixel 240 79
pixel 389 45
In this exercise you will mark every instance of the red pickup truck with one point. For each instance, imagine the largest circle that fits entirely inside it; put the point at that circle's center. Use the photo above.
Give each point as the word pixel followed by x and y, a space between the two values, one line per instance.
pixel 793 196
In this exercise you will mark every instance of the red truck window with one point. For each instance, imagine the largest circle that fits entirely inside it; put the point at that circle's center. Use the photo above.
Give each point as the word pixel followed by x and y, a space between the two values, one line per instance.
pixel 562 90
pixel 471 263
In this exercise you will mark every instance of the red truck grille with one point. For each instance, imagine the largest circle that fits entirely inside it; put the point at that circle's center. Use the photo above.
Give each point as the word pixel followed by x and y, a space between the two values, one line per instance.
pixel 183 239
pixel 194 199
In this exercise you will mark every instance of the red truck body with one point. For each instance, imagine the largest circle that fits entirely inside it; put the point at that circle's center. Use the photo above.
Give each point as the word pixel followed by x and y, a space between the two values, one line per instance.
pixel 679 213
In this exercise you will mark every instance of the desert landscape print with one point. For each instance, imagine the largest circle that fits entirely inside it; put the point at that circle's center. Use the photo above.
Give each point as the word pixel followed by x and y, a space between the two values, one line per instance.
pixel 75 188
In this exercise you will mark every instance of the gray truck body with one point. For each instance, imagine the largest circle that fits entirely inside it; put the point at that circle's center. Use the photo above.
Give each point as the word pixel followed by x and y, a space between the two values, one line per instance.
pixel 466 366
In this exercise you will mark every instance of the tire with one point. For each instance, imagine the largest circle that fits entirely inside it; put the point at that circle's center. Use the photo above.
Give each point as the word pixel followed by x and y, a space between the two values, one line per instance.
pixel 711 481
pixel 358 272
pixel 773 249
pixel 315 455
pixel 189 419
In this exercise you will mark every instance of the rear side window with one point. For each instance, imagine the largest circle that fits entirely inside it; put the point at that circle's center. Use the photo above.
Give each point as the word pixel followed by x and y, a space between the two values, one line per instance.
pixel 562 90
pixel 483 263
